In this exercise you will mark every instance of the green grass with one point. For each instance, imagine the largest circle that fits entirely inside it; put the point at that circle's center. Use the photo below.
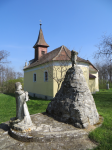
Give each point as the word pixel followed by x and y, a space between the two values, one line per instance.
pixel 8 106
pixel 103 100
pixel 103 134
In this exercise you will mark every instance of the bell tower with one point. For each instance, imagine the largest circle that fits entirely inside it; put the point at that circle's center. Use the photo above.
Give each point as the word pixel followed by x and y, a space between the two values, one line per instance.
pixel 40 46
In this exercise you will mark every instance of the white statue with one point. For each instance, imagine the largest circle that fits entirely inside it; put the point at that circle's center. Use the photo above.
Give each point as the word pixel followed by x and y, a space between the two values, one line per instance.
pixel 22 120
pixel 22 113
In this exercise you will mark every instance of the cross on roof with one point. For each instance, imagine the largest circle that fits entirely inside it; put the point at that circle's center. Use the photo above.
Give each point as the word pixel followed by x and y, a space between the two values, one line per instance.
pixel 40 23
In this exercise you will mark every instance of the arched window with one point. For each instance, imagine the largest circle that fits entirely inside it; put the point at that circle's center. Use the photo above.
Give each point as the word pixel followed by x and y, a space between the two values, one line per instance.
pixel 34 77
pixel 45 76
pixel 42 52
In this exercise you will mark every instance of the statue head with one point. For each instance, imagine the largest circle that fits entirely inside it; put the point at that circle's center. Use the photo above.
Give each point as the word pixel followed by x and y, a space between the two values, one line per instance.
pixel 18 86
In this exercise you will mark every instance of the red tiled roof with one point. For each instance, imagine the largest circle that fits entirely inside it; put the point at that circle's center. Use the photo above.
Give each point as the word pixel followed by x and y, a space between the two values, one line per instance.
pixel 60 53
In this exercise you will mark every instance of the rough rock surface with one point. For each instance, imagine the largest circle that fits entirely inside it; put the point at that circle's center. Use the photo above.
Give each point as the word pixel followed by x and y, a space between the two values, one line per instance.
pixel 74 102
pixel 75 139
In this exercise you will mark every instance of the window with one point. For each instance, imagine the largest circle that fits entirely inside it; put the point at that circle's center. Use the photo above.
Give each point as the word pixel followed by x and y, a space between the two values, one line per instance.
pixel 45 76
pixel 34 77
pixel 42 52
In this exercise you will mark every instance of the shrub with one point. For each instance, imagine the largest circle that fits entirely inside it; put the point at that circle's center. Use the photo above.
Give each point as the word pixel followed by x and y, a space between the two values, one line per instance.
pixel 9 86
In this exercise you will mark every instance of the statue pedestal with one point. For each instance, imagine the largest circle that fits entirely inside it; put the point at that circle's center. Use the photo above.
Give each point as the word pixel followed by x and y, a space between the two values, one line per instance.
pixel 49 130
pixel 18 125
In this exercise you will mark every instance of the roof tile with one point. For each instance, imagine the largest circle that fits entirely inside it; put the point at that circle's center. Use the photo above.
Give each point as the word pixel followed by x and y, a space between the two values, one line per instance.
pixel 60 53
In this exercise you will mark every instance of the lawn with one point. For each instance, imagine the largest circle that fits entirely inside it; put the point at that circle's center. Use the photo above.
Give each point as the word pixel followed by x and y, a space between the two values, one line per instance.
pixel 103 100
pixel 8 106
pixel 103 134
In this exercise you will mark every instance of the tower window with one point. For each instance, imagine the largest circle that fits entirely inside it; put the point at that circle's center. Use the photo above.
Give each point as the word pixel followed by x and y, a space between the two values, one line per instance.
pixel 45 76
pixel 34 77
pixel 42 52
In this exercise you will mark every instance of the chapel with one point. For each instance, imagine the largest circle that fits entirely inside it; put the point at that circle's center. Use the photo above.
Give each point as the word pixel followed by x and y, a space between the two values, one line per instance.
pixel 44 71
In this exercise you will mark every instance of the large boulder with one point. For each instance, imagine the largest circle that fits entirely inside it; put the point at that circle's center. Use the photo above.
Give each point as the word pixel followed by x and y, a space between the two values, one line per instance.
pixel 74 102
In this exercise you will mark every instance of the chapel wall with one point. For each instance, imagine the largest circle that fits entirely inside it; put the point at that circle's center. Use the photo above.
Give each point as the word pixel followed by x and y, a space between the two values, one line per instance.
pixel 58 74
pixel 92 85
pixel 96 81
pixel 42 89
pixel 85 70
pixel 85 73
pixel 39 88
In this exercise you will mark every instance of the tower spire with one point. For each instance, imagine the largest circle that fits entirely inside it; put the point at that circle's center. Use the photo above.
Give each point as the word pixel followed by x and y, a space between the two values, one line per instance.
pixel 40 45
pixel 40 41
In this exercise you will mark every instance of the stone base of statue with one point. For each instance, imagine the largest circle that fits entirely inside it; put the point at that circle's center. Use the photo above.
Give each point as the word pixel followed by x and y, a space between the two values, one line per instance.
pixel 16 124
pixel 49 134
pixel 53 134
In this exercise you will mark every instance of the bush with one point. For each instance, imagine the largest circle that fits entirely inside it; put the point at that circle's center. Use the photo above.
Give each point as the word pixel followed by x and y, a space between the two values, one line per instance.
pixel 9 86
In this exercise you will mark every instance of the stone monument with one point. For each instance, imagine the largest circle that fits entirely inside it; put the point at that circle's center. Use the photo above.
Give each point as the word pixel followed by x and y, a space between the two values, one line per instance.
pixel 74 57
pixel 74 102
pixel 22 121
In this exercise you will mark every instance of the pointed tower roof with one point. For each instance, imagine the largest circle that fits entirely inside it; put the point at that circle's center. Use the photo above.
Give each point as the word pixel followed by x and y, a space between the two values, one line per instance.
pixel 40 41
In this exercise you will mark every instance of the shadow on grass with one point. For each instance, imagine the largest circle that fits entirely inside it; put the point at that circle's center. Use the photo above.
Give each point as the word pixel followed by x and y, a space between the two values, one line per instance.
pixel 35 98
pixel 10 94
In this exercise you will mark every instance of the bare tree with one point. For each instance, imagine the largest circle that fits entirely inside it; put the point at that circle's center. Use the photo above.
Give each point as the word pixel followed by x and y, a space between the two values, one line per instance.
pixel 3 58
pixel 104 48
pixel 104 54
pixel 6 75
pixel 19 75
pixel 109 70
pixel 3 55
pixel 59 72
pixel 103 72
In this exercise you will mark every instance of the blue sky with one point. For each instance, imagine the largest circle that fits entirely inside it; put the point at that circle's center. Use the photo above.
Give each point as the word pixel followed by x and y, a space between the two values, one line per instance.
pixel 77 24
